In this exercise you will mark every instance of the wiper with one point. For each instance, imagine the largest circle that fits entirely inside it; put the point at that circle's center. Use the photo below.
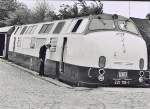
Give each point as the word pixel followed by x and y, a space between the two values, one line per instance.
pixel 126 23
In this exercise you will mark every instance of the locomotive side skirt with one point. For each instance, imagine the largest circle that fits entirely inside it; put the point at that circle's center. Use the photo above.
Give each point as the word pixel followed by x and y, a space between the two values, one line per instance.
pixel 85 76
pixel 92 77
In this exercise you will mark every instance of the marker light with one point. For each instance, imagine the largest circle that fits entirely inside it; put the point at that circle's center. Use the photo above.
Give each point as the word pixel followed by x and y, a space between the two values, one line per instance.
pixel 141 63
pixel 141 73
pixel 101 71
pixel 102 61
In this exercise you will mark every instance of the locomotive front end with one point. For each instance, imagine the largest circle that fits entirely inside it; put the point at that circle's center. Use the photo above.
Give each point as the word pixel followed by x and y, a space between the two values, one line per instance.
pixel 116 54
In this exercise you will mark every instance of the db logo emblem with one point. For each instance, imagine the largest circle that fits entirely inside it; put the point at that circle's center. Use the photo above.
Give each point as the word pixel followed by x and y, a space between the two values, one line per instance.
pixel 123 75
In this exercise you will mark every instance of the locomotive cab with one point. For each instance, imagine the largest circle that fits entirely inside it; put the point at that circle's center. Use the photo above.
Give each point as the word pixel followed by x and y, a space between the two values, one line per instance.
pixel 116 51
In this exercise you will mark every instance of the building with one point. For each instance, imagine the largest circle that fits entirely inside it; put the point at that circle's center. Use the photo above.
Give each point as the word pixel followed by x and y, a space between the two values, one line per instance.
pixel 143 26
pixel 5 33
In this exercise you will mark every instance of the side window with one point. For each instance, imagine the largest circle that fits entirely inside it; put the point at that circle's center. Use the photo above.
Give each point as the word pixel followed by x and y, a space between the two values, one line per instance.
pixel 29 30
pixel 58 28
pixel 33 29
pixel 49 27
pixel 16 30
pixel 77 25
pixel 23 30
pixel 19 30
pixel 43 28
pixel 46 28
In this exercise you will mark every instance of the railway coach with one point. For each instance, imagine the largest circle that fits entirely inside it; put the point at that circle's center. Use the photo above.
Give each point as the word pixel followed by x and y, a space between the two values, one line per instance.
pixel 97 50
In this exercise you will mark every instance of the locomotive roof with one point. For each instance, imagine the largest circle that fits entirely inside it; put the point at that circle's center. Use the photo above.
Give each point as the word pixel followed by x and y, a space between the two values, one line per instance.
pixel 103 16
pixel 52 27
pixel 110 16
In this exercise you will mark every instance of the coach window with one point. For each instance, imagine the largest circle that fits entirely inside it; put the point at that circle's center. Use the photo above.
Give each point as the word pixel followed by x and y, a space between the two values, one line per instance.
pixel 23 30
pixel 59 27
pixel 77 25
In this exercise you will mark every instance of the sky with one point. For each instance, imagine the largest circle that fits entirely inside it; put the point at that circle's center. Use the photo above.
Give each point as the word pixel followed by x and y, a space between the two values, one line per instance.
pixel 125 8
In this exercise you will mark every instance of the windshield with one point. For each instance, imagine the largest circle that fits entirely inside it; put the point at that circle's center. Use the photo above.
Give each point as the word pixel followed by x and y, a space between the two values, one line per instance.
pixel 127 26
pixel 101 24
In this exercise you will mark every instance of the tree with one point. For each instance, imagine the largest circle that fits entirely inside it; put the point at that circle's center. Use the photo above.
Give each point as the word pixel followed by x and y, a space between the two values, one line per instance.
pixel 15 13
pixel 84 8
pixel 148 16
pixel 64 13
pixel 43 12
pixel 94 8
pixel 6 7
pixel 22 15
pixel 80 8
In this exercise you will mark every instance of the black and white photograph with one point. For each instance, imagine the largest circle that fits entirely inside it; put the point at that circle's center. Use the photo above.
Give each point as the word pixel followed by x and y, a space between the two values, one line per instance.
pixel 74 54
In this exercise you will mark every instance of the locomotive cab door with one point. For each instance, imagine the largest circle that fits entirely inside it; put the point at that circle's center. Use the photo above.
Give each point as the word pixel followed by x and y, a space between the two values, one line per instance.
pixel 3 45
pixel 61 64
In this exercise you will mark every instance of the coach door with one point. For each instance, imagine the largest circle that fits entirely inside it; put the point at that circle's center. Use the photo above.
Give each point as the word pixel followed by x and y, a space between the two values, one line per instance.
pixel 2 45
pixel 61 65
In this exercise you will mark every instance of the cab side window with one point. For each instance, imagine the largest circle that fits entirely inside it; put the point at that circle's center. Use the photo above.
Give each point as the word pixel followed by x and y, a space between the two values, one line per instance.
pixel 77 25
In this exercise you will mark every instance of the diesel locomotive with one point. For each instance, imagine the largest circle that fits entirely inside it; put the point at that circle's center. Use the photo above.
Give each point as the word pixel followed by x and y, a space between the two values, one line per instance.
pixel 96 50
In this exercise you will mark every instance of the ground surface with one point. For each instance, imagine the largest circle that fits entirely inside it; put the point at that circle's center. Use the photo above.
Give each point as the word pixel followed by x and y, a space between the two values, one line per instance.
pixel 21 90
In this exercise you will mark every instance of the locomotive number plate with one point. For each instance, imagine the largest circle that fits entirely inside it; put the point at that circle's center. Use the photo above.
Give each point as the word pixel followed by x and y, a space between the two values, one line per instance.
pixel 122 78
pixel 121 82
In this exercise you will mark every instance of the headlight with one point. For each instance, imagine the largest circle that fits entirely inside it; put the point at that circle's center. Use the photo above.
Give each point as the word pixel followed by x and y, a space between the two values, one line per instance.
pixel 101 71
pixel 141 63
pixel 102 61
pixel 141 73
